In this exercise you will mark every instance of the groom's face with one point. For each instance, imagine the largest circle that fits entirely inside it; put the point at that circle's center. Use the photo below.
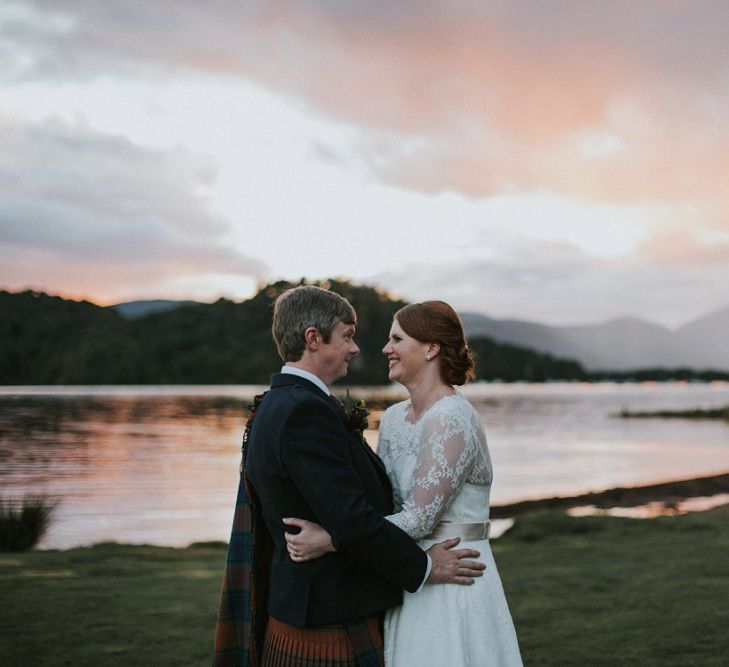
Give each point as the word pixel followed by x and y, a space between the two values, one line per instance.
pixel 334 356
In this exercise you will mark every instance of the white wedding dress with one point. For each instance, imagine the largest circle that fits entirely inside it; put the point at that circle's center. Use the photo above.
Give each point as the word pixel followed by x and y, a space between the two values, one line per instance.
pixel 440 469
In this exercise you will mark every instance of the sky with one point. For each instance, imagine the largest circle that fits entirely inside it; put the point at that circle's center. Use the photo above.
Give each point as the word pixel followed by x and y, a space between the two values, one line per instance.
pixel 564 162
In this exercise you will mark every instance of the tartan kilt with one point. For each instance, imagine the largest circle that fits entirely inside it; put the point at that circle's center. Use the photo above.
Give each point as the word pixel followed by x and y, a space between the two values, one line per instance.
pixel 341 645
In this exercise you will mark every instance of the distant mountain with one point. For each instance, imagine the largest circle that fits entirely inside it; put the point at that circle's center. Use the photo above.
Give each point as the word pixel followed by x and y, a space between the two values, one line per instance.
pixel 130 310
pixel 50 340
pixel 618 344
pixel 705 341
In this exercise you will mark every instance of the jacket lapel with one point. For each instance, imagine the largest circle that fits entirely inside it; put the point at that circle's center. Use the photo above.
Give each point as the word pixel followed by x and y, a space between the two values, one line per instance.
pixel 288 379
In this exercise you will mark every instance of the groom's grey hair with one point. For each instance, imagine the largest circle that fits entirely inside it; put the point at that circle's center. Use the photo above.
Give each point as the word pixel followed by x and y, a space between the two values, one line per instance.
pixel 302 307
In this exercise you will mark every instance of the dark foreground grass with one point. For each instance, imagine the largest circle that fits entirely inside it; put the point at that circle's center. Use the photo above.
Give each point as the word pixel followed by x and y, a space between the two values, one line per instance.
pixel 109 605
pixel 583 591
pixel 611 591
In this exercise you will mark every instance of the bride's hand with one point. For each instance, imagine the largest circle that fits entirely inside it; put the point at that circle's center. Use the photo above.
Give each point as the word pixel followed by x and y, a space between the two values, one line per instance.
pixel 310 543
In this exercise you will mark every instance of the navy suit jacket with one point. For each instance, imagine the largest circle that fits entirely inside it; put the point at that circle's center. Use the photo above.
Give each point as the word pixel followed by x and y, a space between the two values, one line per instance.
pixel 304 461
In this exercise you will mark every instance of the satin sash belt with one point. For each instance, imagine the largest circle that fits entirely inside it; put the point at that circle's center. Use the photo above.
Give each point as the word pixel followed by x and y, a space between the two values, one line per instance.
pixel 468 532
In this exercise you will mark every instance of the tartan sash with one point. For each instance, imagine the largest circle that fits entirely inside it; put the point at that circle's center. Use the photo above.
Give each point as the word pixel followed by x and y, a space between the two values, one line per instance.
pixel 242 613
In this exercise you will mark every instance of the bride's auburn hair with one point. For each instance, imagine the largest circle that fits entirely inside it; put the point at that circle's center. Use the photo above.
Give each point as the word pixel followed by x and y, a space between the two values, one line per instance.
pixel 437 322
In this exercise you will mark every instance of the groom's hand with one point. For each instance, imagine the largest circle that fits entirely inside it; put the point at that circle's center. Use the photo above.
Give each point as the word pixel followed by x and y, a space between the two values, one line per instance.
pixel 450 566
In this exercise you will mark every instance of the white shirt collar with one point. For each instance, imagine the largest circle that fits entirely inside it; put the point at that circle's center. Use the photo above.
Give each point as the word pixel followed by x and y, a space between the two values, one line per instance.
pixel 293 370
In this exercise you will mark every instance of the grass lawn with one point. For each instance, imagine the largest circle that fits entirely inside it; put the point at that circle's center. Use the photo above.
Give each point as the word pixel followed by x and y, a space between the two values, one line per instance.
pixel 583 591
pixel 109 605
pixel 611 591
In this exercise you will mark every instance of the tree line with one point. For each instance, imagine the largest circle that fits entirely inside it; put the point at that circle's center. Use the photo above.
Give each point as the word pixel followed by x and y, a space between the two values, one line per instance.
pixel 50 340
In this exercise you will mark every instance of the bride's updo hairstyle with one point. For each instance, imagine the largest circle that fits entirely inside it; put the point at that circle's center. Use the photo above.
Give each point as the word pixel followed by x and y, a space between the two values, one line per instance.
pixel 437 322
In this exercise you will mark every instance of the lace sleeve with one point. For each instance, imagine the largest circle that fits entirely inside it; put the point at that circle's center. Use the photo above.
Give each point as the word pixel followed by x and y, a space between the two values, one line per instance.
pixel 384 451
pixel 447 455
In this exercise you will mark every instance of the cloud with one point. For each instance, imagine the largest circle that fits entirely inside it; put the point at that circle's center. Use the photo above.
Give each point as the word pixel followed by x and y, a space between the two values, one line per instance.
pixel 620 103
pixel 618 111
pixel 680 251
pixel 558 283
pixel 80 209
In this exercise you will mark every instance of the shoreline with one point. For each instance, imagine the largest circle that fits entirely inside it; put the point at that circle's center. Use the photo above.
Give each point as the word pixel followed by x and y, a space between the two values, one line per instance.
pixel 630 496
pixel 670 493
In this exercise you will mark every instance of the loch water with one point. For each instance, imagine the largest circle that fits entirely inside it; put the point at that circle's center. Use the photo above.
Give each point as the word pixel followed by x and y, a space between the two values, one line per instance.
pixel 159 465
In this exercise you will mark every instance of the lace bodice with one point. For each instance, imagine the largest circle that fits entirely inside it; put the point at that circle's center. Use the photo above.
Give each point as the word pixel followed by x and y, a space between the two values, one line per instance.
pixel 439 466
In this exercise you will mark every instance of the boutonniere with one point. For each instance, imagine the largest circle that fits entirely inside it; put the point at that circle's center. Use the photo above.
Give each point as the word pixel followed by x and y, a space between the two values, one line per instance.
pixel 356 413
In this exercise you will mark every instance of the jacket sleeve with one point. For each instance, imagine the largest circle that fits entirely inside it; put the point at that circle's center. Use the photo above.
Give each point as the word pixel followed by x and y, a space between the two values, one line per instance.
pixel 316 454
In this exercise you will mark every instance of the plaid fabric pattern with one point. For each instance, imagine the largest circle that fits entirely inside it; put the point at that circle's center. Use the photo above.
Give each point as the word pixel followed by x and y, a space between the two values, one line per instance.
pixel 351 645
pixel 242 616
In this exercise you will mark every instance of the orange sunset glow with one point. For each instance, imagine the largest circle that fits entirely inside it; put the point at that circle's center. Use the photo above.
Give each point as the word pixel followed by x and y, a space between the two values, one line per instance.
pixel 558 162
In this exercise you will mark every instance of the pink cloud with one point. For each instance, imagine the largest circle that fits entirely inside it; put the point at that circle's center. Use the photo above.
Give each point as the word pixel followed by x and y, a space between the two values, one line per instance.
pixel 493 95
pixel 96 215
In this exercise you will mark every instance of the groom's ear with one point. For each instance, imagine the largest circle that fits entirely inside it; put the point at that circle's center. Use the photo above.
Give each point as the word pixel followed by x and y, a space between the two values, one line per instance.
pixel 312 338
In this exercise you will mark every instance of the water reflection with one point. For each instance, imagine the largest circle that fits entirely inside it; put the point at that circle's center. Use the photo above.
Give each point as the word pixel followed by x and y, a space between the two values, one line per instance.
pixel 160 465
pixel 655 509
pixel 156 469
pixel 51 436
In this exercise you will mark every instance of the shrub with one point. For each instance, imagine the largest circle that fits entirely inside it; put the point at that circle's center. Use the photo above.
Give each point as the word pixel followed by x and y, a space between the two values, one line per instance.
pixel 23 523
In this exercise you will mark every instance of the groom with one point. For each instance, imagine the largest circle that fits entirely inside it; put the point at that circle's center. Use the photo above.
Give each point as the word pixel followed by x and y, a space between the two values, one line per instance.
pixel 302 460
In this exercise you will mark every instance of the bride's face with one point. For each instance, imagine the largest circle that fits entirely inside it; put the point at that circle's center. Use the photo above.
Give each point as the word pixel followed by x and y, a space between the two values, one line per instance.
pixel 405 355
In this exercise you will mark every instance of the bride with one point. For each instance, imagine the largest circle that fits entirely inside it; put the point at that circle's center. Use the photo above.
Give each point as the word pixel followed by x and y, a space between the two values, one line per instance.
pixel 434 448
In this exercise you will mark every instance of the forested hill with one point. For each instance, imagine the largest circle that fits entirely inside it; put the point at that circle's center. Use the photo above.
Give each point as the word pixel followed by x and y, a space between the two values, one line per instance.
pixel 50 340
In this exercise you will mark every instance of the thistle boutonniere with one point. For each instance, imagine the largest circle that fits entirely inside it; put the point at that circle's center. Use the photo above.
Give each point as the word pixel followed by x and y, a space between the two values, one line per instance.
pixel 356 412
